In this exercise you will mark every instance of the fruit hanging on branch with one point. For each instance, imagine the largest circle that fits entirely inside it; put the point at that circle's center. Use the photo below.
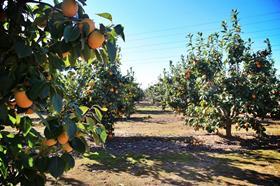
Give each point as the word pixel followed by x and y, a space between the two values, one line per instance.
pixel 70 8
pixel 95 40
pixel 50 142
pixel 258 64
pixel 89 23
pixel 22 100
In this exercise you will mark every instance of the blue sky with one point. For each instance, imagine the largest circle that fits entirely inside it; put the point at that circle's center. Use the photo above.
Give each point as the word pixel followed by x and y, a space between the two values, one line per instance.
pixel 156 29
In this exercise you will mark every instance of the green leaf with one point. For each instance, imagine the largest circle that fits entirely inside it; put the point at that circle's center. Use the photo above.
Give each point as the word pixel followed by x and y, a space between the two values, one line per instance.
pixel 119 29
pixel 56 62
pixel 106 16
pixel 40 58
pixel 54 129
pixel 78 112
pixel 69 161
pixel 36 90
pixel 57 102
pixel 55 2
pixel 104 56
pixel 71 128
pixel 103 136
pixel 98 56
pixel 85 29
pixel 81 126
pixel 26 123
pixel 96 138
pixel 84 109
pixel 87 53
pixel 3 169
pixel 12 119
pixel 26 160
pixel 71 33
pixel 22 49
pixel 104 109
pixel 37 179
pixel 56 166
pixel 78 145
pixel 102 29
pixel 3 112
pixel 10 135
pixel 98 113
pixel 6 82
pixel 90 121
pixel 112 51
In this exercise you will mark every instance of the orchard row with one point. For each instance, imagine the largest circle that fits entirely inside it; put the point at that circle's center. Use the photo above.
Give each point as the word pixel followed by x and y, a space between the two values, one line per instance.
pixel 221 82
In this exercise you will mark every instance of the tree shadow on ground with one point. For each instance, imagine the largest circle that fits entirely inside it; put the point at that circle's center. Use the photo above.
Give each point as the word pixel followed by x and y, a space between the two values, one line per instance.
pixel 183 157
pixel 145 104
pixel 65 181
pixel 269 142
pixel 144 120
pixel 154 112
pixel 135 119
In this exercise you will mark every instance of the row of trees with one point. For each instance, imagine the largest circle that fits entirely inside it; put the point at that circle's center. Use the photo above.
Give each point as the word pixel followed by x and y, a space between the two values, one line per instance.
pixel 104 84
pixel 221 81
pixel 57 63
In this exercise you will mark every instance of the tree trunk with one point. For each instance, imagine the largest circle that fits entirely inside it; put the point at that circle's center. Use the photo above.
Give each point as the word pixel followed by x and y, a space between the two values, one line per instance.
pixel 228 129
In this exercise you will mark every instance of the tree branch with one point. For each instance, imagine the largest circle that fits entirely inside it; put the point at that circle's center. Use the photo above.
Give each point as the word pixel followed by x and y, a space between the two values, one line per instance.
pixel 44 3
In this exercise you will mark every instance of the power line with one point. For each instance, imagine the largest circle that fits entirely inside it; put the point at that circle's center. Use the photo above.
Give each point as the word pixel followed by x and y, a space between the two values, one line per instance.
pixel 206 23
pixel 156 60
pixel 208 30
pixel 168 57
pixel 183 41
pixel 178 48
pixel 167 60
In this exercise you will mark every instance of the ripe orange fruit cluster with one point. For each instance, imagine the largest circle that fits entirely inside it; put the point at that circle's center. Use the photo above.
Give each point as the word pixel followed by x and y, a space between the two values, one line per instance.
pixel 62 139
pixel 95 39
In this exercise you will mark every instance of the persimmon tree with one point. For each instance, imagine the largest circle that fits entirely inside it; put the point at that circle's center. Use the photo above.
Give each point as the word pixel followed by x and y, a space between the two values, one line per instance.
pixel 39 41
pixel 131 93
pixel 157 94
pixel 105 85
pixel 263 84
pixel 222 82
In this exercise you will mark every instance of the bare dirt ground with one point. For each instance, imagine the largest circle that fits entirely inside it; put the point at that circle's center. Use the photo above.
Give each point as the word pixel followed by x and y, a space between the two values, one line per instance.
pixel 156 148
